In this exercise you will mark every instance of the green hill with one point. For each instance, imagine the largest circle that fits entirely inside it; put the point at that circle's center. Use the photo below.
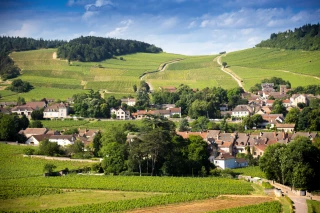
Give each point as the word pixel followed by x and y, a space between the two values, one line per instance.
pixel 55 78
pixel 306 37
pixel 299 67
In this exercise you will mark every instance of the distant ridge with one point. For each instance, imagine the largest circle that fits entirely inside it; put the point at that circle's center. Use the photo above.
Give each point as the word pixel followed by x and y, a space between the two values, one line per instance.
pixel 306 37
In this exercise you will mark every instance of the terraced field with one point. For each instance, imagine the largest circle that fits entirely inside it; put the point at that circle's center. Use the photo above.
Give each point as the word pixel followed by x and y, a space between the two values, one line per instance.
pixel 54 78
pixel 197 72
pixel 301 68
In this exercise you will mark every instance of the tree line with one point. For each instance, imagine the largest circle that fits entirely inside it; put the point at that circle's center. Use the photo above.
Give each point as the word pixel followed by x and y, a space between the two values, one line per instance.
pixel 91 48
pixel 306 37
pixel 295 164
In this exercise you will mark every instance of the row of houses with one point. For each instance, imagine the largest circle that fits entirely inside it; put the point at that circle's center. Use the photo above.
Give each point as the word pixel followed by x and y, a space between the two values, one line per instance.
pixel 122 114
pixel 224 147
pixel 35 135
pixel 55 110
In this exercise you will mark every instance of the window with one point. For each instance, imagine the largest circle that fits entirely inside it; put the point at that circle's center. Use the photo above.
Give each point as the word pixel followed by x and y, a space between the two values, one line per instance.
pixel 216 161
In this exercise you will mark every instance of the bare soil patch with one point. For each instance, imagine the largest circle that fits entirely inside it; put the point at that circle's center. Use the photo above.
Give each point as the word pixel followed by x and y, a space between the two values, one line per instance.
pixel 54 55
pixel 219 203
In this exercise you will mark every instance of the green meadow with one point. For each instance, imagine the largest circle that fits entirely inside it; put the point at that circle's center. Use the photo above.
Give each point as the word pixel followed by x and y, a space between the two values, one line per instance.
pixel 297 66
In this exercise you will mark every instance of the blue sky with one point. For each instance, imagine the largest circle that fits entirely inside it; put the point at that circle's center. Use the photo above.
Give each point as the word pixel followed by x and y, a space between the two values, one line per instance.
pixel 191 27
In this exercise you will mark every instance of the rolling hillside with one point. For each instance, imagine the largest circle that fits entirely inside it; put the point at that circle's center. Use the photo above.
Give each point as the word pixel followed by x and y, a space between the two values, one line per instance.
pixel 197 72
pixel 301 68
pixel 54 78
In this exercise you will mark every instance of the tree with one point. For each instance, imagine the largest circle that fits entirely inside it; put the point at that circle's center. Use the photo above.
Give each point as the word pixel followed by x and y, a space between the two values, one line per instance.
pixel 113 158
pixel 77 147
pixel 292 116
pixel 183 125
pixel 224 64
pixel 49 167
pixel 257 119
pixel 96 144
pixel 37 114
pixel 197 153
pixel 278 107
pixel 23 122
pixel 135 88
pixel 49 148
pixel 71 131
pixel 21 101
pixel 36 124
pixel 19 86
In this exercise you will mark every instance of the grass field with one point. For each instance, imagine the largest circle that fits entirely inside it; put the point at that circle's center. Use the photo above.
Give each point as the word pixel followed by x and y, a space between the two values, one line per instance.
pixel 197 72
pixel 114 76
pixel 253 65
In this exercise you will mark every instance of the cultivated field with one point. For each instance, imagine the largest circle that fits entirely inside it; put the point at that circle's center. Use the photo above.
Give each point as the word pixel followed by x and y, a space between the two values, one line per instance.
pixel 197 72
pixel 23 187
pixel 113 76
pixel 253 65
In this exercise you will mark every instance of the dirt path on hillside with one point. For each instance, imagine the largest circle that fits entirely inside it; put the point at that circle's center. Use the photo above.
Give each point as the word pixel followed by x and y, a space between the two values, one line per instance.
pixel 219 203
pixel 228 71
pixel 161 68
pixel 54 55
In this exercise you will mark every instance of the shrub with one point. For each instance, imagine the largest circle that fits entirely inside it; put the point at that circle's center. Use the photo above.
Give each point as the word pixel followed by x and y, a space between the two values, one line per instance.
pixel 28 151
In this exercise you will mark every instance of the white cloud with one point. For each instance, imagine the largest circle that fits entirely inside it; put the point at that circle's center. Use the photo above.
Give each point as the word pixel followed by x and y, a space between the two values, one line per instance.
pixel 28 29
pixel 92 33
pixel 88 14
pixel 98 4
pixel 119 31
pixel 192 25
pixel 169 23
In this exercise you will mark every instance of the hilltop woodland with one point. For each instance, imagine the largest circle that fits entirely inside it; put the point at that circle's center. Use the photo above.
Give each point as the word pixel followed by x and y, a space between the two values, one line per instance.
pixel 9 44
pixel 306 37
pixel 92 48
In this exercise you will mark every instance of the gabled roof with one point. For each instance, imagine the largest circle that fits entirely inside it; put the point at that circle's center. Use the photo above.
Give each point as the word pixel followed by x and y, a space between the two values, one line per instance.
pixel 242 108
pixel 187 134
pixel 36 104
pixel 224 156
pixel 241 160
pixel 55 107
pixel 22 108
pixel 41 137
pixel 175 110
pixel 34 131
pixel 285 125
pixel 225 144
pixel 62 137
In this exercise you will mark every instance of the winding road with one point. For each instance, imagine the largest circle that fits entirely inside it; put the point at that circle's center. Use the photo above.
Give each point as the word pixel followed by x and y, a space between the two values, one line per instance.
pixel 161 68
pixel 223 69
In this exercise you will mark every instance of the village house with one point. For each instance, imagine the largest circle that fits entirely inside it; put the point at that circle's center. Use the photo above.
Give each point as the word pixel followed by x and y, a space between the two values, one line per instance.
pixel 271 119
pixel 8 104
pixel 242 111
pixel 285 127
pixel 227 161
pixel 167 113
pixel 128 101
pixel 36 105
pixel 266 89
pixel 121 114
pixel 33 131
pixel 36 139
pixel 59 110
pixel 298 98
pixel 264 110
pixel 23 110
pixel 310 135
pixel 63 140
pixel 269 103
pixel 286 103
pixel 241 143
pixel 4 110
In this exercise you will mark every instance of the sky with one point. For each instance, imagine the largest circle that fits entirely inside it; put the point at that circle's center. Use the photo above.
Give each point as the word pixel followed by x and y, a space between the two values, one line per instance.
pixel 190 27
